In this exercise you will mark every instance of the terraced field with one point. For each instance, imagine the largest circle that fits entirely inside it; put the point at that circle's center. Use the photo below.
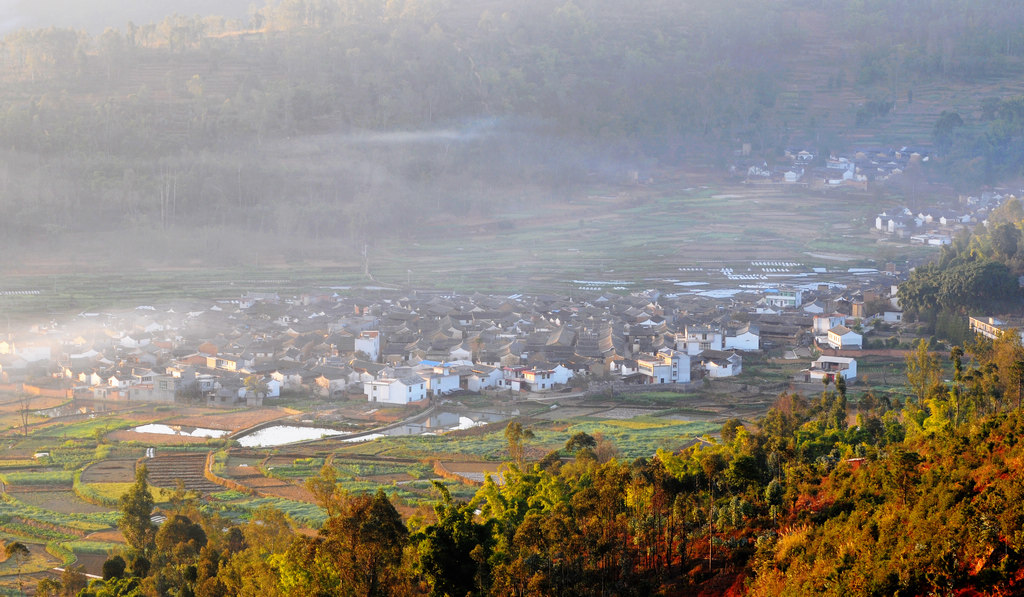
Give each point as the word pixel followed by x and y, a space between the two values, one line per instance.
pixel 167 470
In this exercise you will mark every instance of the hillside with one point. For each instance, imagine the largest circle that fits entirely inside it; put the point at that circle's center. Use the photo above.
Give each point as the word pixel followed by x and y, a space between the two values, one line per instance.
pixel 320 127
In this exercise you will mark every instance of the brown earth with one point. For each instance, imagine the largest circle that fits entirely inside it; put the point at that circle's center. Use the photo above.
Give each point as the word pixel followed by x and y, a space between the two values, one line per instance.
pixel 235 421
pixel 65 502
pixel 251 477
pixel 110 471
pixel 166 470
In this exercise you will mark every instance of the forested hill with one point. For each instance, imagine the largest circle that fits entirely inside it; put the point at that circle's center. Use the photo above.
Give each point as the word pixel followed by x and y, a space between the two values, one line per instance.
pixel 342 118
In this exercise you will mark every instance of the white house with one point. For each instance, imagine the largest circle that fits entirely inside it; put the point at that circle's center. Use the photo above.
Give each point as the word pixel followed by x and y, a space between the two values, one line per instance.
pixel 892 316
pixel 396 391
pixel 783 299
pixel 830 367
pixel 441 380
pixel 369 342
pixel 700 338
pixel 290 379
pixel 483 377
pixel 722 364
pixel 842 337
pixel 667 366
pixel 824 323
pixel 535 378
pixel 746 338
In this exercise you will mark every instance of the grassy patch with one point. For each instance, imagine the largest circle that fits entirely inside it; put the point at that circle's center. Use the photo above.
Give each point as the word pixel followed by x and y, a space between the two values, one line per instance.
pixel 92 547
pixel 38 478
pixel 112 492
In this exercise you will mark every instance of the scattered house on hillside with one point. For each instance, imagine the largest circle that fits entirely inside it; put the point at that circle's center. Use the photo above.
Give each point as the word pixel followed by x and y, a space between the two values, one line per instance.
pixel 830 367
pixel 843 338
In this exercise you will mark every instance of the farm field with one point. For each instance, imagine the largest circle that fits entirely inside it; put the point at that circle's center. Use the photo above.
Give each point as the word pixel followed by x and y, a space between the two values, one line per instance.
pixel 633 236
pixel 67 501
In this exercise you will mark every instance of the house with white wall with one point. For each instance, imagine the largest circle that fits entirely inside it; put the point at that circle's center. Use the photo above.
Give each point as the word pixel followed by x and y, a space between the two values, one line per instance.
pixel 368 342
pixel 536 378
pixel 843 338
pixel 830 367
pixel 667 366
pixel 721 363
pixel 699 338
pixel 482 377
pixel 396 391
pixel 747 338
pixel 441 379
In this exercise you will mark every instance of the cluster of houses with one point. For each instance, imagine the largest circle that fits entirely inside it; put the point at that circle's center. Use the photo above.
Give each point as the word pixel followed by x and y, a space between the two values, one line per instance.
pixel 807 167
pixel 395 347
pixel 937 226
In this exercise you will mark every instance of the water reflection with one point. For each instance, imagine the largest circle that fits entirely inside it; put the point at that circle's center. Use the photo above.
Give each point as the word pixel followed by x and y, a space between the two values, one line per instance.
pixel 182 430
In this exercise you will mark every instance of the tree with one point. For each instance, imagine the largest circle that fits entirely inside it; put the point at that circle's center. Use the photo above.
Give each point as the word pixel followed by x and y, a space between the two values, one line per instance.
pixel 114 567
pixel 326 490
pixel 516 438
pixel 25 410
pixel 580 441
pixel 945 128
pixel 730 429
pixel 454 551
pixel 923 371
pixel 256 385
pixel 49 587
pixel 136 509
pixel 17 551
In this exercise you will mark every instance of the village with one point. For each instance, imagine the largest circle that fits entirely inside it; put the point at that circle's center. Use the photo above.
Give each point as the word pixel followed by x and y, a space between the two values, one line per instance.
pixel 406 347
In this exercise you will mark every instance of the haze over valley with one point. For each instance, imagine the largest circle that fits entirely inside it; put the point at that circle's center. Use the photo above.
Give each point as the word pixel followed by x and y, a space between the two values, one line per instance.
pixel 427 297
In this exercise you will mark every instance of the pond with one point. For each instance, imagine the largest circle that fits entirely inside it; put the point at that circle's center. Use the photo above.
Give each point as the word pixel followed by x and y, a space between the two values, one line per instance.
pixel 184 430
pixel 279 435
pixel 443 421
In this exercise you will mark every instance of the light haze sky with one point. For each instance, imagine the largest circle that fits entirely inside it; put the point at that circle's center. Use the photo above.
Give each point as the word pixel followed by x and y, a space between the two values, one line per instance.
pixel 96 15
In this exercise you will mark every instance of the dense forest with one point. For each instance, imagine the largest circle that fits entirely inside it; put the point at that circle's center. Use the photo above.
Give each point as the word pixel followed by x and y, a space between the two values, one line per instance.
pixel 917 493
pixel 340 119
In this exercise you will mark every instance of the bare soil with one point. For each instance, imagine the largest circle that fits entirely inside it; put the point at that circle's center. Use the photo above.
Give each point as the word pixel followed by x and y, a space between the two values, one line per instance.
pixel 110 471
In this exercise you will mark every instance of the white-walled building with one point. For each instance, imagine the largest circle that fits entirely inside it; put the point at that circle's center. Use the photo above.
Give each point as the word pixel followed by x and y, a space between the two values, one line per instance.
pixel 843 338
pixel 368 342
pixel 824 323
pixel 721 364
pixel 536 378
pixel 396 391
pixel 667 366
pixel 483 377
pixel 746 338
pixel 441 379
pixel 700 338
pixel 830 367
pixel 783 299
